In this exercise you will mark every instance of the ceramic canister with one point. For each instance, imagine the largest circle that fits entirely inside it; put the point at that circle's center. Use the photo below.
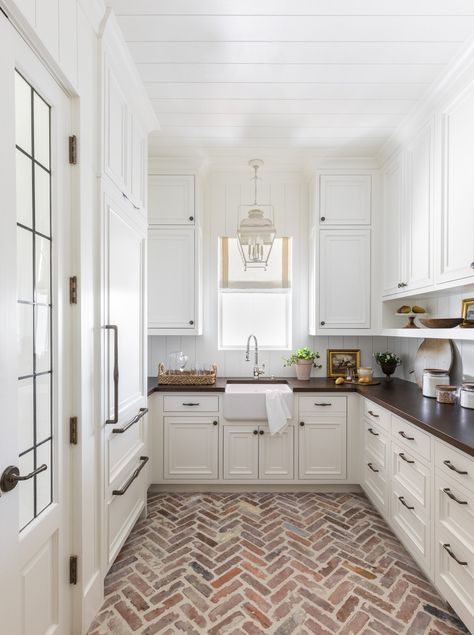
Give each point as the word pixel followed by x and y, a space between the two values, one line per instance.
pixel 433 377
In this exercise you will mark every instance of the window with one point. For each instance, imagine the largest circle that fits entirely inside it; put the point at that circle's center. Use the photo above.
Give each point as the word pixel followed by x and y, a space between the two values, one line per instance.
pixel 255 301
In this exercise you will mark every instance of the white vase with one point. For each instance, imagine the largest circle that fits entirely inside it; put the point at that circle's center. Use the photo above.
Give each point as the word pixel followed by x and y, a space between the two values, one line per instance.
pixel 303 369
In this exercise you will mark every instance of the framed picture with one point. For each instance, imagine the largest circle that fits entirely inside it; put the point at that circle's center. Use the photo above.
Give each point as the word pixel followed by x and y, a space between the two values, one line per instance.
pixel 467 312
pixel 338 361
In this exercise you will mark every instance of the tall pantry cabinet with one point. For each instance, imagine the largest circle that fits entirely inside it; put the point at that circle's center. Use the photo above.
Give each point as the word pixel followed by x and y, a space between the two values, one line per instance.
pixel 126 119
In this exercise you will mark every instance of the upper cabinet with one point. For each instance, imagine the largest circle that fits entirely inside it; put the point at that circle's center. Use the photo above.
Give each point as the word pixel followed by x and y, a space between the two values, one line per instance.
pixel 457 227
pixel 171 199
pixel 345 199
pixel 392 198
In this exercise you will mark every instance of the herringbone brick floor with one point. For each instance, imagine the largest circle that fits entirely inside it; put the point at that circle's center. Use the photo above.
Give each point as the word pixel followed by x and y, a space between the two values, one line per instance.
pixel 249 564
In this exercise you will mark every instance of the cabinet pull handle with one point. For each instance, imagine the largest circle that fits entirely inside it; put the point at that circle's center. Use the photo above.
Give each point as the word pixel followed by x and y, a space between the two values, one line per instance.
pixel 447 546
pixel 130 201
pixel 449 493
pixel 135 473
pixel 454 468
pixel 405 436
pixel 404 458
pixel 135 419
pixel 371 430
pixel 322 404
pixel 302 424
pixel 215 423
pixel 372 414
pixel 370 465
pixel 114 329
pixel 255 431
pixel 190 403
pixel 404 503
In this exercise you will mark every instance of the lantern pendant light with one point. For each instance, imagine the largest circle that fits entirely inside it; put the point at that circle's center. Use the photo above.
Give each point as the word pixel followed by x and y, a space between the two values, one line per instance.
pixel 256 233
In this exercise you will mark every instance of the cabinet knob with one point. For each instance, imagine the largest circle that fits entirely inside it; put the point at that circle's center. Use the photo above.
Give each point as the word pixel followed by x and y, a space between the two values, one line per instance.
pixel 472 265
pixel 191 322
pixel 323 218
pixel 322 322
pixel 302 423
pixel 261 432
pixel 255 431
pixel 191 218
pixel 399 285
pixel 215 423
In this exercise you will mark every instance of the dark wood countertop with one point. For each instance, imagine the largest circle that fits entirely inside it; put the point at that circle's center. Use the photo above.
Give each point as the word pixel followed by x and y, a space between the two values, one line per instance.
pixel 451 423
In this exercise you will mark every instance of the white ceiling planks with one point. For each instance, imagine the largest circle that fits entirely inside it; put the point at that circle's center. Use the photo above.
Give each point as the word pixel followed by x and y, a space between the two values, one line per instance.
pixel 323 76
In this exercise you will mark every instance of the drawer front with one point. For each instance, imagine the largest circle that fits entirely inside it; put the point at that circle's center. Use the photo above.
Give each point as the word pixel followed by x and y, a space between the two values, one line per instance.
pixel 409 472
pixel 322 405
pixel 455 509
pixel 123 446
pixel 376 443
pixel 376 414
pixel 455 464
pixel 412 527
pixel 191 403
pixel 411 437
pixel 375 483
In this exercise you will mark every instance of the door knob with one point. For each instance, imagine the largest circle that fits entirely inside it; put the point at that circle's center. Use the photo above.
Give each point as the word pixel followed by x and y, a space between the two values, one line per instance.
pixel 11 476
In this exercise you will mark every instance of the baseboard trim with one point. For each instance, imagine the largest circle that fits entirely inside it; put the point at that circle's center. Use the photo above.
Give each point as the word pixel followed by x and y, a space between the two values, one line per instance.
pixel 186 487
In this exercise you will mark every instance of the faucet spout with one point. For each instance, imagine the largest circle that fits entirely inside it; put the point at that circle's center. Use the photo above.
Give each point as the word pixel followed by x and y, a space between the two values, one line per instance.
pixel 257 370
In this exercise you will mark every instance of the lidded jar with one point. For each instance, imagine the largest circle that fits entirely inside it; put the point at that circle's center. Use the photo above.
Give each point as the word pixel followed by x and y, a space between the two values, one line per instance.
pixel 433 377
pixel 467 396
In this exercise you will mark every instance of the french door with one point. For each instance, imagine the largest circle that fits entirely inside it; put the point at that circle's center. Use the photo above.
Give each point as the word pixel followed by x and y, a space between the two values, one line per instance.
pixel 35 370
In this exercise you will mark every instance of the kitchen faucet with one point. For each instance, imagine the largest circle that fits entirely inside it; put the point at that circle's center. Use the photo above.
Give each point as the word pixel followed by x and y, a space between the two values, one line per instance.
pixel 257 370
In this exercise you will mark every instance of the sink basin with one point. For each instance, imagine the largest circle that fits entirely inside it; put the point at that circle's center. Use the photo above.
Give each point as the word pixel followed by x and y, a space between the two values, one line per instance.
pixel 246 401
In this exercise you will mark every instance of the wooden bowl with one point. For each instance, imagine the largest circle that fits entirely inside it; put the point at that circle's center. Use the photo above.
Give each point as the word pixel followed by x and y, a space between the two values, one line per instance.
pixel 440 323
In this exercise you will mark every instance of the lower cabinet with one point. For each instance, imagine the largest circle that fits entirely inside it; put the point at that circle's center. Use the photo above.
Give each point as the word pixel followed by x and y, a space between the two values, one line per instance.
pixel 322 448
pixel 376 465
pixel 251 452
pixel 191 447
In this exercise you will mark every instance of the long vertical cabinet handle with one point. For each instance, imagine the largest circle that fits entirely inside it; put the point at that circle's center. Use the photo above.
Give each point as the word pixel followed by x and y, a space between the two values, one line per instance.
pixel 114 328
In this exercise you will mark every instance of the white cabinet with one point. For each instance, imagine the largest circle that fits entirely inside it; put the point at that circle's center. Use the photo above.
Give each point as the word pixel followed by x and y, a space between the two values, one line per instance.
pixel 344 278
pixel 322 449
pixel 345 199
pixel 251 452
pixel 171 199
pixel 457 231
pixel 392 226
pixel 376 471
pixel 171 280
pixel 191 447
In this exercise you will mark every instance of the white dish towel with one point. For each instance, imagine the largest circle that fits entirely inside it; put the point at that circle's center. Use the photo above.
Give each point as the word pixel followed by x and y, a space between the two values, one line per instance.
pixel 279 409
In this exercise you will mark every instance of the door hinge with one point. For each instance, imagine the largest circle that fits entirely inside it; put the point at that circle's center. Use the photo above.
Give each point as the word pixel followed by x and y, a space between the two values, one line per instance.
pixel 73 149
pixel 73 430
pixel 73 290
pixel 73 570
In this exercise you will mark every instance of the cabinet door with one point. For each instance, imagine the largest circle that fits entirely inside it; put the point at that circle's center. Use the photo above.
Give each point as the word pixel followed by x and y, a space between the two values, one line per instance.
pixel 116 120
pixel 345 199
pixel 344 279
pixel 457 237
pixel 191 447
pixel 392 223
pixel 171 200
pixel 322 450
pixel 241 452
pixel 275 454
pixel 418 224
pixel 137 168
pixel 171 278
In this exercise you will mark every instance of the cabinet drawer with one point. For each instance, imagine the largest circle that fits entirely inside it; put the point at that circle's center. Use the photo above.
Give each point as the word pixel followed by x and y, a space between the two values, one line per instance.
pixel 191 403
pixel 411 437
pixel 375 483
pixel 412 527
pixel 322 405
pixel 409 472
pixel 455 464
pixel 376 443
pixel 376 414
pixel 455 509
pixel 121 447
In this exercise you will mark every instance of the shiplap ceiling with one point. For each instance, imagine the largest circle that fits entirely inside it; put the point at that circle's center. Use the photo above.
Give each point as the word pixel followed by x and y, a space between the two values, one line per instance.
pixel 329 77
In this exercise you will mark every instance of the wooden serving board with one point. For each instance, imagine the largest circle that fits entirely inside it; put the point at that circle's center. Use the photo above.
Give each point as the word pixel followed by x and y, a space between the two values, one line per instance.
pixel 356 383
pixel 433 354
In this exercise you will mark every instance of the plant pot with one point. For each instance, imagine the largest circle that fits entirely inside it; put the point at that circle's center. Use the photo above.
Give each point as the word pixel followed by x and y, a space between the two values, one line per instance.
pixel 388 368
pixel 303 369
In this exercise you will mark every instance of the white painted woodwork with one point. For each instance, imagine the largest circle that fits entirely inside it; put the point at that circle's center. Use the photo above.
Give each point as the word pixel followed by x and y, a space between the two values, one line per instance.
pixel 454 516
pixel 393 257
pixel 171 199
pixel 413 474
pixel 137 174
pixel 171 279
pixel 191 447
pixel 457 231
pixel 345 199
pixel 376 414
pixel 191 403
pixel 454 464
pixel 412 438
pixel 374 482
pixel 344 279
pixel 375 443
pixel 240 456
pixel 322 449
pixel 275 454
pixel 317 405
pixel 116 119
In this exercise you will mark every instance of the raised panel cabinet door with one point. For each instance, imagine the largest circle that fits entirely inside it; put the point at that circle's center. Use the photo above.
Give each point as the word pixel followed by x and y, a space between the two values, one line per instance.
pixel 191 447
pixel 171 199
pixel 116 121
pixel 322 450
pixel 344 279
pixel 457 232
pixel 241 452
pixel 137 169
pixel 345 199
pixel 275 454
pixel 171 278
pixel 418 233
pixel 392 227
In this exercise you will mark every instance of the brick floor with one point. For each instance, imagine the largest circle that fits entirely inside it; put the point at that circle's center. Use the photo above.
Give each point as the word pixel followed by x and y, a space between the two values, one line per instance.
pixel 249 564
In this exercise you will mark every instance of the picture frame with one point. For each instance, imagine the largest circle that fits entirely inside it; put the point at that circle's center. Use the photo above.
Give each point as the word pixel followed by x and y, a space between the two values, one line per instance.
pixel 338 360
pixel 467 310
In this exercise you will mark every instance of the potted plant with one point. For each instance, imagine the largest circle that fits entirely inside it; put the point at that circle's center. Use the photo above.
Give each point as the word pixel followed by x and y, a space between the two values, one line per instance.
pixel 388 362
pixel 304 360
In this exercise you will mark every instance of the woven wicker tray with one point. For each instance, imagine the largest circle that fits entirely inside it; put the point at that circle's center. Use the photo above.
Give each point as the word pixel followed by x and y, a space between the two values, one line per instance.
pixel 186 378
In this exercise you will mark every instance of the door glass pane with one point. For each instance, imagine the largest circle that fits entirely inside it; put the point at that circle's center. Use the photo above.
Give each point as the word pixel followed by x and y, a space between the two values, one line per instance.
pixel 33 186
